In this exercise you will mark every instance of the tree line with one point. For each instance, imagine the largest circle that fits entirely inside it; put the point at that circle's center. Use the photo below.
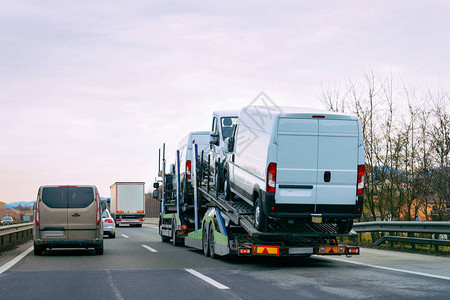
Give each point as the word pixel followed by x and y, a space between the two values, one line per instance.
pixel 407 144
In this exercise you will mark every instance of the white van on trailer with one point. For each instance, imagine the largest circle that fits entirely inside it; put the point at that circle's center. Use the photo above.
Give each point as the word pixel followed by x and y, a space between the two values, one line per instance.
pixel 185 146
pixel 223 124
pixel 297 164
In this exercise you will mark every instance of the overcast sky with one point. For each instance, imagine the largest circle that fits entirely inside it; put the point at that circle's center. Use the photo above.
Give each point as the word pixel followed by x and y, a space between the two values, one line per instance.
pixel 89 90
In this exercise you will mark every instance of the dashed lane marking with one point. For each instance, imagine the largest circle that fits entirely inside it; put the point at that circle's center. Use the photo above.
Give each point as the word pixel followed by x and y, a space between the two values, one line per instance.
pixel 208 279
pixel 149 248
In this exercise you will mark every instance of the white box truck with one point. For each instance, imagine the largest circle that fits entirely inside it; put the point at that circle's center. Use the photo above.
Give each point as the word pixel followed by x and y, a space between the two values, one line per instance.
pixel 128 203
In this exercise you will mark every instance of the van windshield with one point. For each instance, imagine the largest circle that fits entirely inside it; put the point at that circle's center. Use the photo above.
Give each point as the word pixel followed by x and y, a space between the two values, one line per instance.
pixel 228 124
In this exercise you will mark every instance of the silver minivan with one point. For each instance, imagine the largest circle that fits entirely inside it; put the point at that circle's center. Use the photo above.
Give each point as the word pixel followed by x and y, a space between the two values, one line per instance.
pixel 68 217
pixel 294 164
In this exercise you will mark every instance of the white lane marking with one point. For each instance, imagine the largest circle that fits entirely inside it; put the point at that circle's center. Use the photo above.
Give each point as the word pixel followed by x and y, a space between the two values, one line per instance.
pixel 149 248
pixel 387 268
pixel 114 287
pixel 208 280
pixel 125 236
pixel 15 260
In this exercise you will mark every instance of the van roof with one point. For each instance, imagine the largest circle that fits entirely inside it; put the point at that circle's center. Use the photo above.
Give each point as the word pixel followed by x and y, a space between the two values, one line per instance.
pixel 226 113
pixel 194 134
pixel 290 111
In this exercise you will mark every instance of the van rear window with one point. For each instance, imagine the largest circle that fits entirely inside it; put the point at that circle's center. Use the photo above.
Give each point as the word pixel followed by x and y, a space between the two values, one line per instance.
pixel 80 197
pixel 54 197
pixel 67 197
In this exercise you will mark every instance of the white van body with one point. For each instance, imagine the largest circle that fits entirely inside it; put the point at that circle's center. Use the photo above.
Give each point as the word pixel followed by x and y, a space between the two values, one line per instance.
pixel 223 125
pixel 316 158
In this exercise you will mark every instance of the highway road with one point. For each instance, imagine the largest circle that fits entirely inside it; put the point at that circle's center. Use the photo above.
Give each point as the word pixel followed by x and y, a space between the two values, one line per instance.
pixel 137 265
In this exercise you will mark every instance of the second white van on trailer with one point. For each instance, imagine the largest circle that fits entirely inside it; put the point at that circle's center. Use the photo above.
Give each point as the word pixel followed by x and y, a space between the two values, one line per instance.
pixel 297 164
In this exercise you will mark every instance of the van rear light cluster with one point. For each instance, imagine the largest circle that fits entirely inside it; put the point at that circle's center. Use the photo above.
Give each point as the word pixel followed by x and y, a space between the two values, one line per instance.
pixel 99 217
pixel 188 169
pixel 360 184
pixel 271 178
pixel 37 220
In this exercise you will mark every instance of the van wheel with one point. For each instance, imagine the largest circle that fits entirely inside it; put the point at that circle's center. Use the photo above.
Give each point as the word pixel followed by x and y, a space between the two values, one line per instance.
pixel 37 249
pixel 211 241
pixel 344 226
pixel 218 183
pixel 99 249
pixel 260 218
pixel 205 240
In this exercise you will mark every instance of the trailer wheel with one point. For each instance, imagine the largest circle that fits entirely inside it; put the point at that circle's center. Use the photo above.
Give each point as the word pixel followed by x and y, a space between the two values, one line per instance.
pixel 163 237
pixel 205 240
pixel 211 241
pixel 260 218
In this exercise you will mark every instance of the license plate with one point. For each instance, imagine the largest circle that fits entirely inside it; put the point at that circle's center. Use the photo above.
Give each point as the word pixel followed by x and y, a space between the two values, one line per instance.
pixel 53 233
pixel 316 219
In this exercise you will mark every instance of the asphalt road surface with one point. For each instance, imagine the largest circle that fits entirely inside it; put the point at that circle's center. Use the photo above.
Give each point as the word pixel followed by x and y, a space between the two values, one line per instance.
pixel 137 265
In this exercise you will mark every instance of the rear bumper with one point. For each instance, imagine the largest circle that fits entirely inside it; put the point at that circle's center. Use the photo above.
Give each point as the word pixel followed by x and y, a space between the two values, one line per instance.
pixel 69 244
pixel 330 212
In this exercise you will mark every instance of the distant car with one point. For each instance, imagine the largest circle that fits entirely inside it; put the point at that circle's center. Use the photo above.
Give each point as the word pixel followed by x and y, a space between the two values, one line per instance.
pixel 7 219
pixel 109 227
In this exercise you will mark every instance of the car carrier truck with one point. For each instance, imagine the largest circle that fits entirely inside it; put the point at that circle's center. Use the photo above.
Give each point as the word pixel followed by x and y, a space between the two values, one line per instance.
pixel 221 227
pixel 127 204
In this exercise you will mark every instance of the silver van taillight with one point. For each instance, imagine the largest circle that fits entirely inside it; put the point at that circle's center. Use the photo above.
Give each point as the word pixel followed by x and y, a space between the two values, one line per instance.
pixel 360 184
pixel 271 178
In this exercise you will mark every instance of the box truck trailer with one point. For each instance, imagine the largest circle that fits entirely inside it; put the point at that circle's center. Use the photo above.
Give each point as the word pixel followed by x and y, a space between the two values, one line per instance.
pixel 127 204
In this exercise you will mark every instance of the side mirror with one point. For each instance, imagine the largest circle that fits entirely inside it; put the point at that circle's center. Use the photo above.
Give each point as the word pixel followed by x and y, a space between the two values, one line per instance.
pixel 214 139
pixel 156 185
pixel 156 194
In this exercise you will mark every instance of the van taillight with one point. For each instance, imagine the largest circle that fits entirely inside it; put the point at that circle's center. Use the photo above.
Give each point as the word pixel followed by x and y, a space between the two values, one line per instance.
pixel 188 169
pixel 99 217
pixel 360 185
pixel 271 178
pixel 37 211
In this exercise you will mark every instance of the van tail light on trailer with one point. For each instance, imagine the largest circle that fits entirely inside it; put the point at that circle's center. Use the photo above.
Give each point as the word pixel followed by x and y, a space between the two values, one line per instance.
pixel 271 178
pixel 188 169
pixel 360 185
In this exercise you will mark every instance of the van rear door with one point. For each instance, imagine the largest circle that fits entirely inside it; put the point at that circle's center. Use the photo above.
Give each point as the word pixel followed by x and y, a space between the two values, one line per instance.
pixel 317 161
pixel 82 213
pixel 337 165
pixel 53 213
pixel 297 162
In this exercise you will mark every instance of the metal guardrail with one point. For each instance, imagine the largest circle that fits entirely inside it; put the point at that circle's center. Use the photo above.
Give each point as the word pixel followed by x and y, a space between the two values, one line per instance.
pixel 10 234
pixel 410 227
